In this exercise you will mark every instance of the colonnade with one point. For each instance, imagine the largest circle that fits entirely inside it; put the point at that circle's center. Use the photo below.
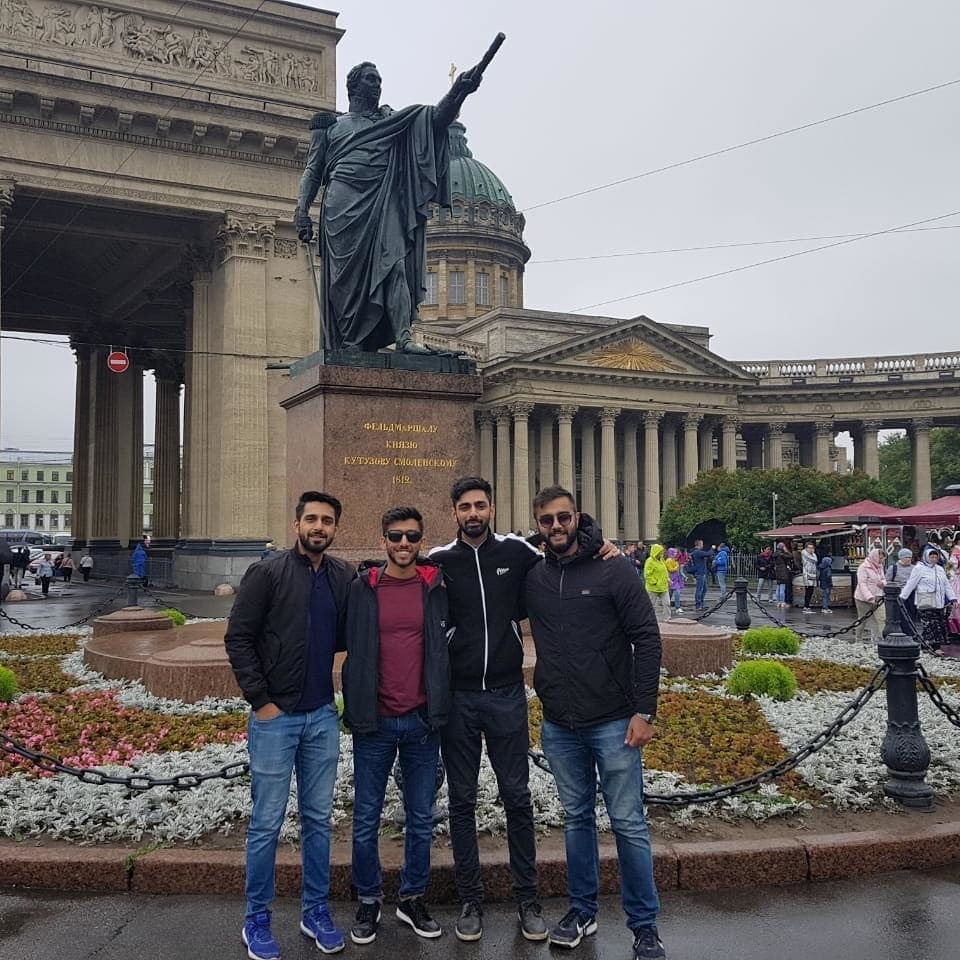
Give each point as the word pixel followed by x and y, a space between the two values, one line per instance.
pixel 624 464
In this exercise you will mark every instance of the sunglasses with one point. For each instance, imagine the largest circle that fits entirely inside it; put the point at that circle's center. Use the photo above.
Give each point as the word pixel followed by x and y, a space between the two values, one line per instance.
pixel 395 536
pixel 546 521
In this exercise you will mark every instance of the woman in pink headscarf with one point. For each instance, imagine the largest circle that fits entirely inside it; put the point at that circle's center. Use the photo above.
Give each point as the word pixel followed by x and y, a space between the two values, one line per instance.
pixel 869 596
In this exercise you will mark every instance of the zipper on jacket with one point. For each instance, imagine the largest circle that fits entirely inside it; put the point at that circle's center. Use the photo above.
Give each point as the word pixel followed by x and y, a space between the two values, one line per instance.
pixel 483 602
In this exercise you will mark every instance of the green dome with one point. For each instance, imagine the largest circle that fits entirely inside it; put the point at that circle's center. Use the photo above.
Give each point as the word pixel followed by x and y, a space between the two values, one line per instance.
pixel 470 180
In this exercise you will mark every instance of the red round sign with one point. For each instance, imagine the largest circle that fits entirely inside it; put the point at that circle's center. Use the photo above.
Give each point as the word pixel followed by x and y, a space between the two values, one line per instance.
pixel 118 361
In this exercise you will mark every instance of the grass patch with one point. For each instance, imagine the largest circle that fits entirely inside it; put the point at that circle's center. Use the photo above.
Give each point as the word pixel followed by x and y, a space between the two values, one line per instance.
pixel 41 676
pixel 814 676
pixel 38 645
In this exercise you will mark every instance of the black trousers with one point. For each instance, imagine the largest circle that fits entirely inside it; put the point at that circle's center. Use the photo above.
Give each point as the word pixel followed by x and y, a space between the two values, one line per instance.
pixel 501 716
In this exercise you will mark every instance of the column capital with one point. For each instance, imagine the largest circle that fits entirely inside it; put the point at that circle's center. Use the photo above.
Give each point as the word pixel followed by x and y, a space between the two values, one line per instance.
pixel 608 415
pixel 566 413
pixel 6 196
pixel 824 428
pixel 485 418
pixel 691 421
pixel 521 409
pixel 501 414
pixel 776 428
pixel 872 425
pixel 921 423
pixel 166 368
pixel 244 236
pixel 652 418
pixel 730 422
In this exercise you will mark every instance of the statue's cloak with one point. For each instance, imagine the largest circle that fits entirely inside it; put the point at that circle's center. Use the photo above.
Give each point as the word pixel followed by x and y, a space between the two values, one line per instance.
pixel 380 181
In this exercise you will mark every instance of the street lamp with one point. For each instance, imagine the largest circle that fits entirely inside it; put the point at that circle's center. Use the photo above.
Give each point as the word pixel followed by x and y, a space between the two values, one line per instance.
pixel 773 497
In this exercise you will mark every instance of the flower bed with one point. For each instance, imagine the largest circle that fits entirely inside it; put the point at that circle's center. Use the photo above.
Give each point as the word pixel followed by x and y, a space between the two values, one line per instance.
pixel 704 737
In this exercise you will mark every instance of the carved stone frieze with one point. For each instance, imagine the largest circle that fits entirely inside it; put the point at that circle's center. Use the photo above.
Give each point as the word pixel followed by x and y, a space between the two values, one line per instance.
pixel 285 249
pixel 244 237
pixel 152 40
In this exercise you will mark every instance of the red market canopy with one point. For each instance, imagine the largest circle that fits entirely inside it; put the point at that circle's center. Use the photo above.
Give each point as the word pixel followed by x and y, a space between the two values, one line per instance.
pixel 799 531
pixel 942 512
pixel 863 511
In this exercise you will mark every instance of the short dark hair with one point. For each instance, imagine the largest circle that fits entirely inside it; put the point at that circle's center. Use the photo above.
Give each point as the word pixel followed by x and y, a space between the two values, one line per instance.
pixel 353 77
pixel 315 496
pixel 395 514
pixel 552 493
pixel 465 484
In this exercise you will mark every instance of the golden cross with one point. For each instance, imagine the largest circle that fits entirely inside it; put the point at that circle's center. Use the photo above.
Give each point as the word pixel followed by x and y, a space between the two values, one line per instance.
pixel 453 73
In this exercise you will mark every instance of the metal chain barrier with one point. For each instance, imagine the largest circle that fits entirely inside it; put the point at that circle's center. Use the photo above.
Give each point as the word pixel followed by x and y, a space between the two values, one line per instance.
pixel 825 636
pixel 171 605
pixel 715 607
pixel 748 785
pixel 952 714
pixel 96 611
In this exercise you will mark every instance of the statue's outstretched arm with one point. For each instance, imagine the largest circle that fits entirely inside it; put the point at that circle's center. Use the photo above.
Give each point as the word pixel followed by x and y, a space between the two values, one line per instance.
pixel 465 84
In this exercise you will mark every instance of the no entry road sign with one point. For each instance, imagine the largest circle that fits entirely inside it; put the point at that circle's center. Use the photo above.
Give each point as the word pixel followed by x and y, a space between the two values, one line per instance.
pixel 118 361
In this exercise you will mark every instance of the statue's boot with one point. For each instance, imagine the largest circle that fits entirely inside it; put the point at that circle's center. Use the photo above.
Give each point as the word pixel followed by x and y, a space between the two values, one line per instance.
pixel 409 345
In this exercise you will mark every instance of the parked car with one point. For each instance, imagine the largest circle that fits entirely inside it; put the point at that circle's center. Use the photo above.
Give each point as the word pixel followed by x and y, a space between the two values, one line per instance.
pixel 35 560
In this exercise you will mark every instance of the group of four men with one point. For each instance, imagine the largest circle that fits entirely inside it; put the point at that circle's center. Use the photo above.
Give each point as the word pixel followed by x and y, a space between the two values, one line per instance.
pixel 435 663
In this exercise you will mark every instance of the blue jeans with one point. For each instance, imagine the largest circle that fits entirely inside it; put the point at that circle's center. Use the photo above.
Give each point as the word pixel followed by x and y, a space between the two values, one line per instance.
pixel 701 590
pixel 722 581
pixel 825 597
pixel 675 597
pixel 309 743
pixel 576 757
pixel 373 756
pixel 781 592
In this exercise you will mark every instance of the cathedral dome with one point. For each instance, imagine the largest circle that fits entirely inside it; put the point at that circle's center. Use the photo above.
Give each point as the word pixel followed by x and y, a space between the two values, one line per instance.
pixel 471 180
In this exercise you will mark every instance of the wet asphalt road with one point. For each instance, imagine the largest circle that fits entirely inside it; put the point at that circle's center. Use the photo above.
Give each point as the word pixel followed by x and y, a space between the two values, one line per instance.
pixel 903 916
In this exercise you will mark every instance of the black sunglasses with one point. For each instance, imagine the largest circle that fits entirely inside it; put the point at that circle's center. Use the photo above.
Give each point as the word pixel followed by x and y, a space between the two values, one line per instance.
pixel 395 536
pixel 546 521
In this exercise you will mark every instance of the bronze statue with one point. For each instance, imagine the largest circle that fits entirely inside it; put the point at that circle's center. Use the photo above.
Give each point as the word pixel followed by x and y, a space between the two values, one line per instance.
pixel 380 170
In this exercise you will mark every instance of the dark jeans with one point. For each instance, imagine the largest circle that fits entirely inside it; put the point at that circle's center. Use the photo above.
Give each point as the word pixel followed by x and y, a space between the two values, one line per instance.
pixel 45 585
pixel 788 591
pixel 86 571
pixel 501 716
pixel 701 590
pixel 807 596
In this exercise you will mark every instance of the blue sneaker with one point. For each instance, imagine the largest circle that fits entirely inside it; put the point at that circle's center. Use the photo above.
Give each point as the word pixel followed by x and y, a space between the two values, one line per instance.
pixel 258 939
pixel 318 924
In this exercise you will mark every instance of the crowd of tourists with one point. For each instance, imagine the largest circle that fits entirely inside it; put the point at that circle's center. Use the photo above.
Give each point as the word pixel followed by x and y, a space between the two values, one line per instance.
pixel 434 669
pixel 667 571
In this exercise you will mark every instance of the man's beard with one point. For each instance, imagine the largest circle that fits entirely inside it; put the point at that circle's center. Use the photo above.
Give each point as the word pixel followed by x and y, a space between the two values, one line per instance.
pixel 482 528
pixel 309 547
pixel 569 540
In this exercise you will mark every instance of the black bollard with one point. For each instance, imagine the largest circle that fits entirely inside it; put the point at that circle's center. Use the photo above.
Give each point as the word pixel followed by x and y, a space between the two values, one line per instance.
pixel 133 585
pixel 742 619
pixel 904 750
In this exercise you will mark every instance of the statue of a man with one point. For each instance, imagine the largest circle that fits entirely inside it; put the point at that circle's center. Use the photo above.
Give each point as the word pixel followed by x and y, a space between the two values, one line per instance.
pixel 380 170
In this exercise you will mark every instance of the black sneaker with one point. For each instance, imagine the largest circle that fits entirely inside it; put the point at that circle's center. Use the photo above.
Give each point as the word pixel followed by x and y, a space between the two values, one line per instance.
pixel 647 944
pixel 531 921
pixel 572 928
pixel 414 912
pixel 364 929
pixel 470 922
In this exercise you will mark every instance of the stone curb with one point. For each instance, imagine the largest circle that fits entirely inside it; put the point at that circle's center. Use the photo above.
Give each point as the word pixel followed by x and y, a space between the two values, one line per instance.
pixel 712 865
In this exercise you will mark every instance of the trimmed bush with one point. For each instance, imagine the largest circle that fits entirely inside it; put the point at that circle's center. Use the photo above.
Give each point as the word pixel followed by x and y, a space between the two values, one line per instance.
pixel 770 640
pixel 176 616
pixel 762 677
pixel 8 685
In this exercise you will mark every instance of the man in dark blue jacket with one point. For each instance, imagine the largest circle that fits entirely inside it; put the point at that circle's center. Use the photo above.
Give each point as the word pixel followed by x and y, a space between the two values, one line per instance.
pixel 287 620
pixel 700 561
pixel 396 696
pixel 597 676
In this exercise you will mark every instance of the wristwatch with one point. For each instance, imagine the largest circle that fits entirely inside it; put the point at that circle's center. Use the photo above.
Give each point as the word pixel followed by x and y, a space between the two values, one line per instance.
pixel 649 717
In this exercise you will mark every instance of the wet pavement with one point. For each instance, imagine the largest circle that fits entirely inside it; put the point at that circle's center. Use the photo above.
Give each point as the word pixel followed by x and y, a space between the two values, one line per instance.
pixel 888 917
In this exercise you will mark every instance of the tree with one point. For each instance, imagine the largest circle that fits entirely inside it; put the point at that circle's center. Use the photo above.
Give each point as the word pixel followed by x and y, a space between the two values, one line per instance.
pixel 742 500
pixel 896 473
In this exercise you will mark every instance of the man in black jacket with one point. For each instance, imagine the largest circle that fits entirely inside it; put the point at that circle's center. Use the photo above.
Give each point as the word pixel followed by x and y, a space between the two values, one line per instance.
pixel 396 695
pixel 597 675
pixel 286 622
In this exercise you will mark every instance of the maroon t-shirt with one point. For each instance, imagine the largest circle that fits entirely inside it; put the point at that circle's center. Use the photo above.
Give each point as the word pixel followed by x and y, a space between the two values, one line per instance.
pixel 400 687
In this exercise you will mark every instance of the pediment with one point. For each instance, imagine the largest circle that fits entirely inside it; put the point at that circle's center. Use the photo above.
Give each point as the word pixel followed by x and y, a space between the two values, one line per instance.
pixel 631 353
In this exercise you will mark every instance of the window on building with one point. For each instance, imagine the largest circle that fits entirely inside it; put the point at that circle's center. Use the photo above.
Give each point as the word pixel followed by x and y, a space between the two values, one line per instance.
pixel 483 289
pixel 504 291
pixel 69 476
pixel 11 475
pixel 55 476
pixel 9 496
pixel 458 288
pixel 39 476
pixel 68 496
pixel 8 519
pixel 24 475
pixel 67 520
pixel 24 496
pixel 25 520
pixel 54 521
pixel 39 496
pixel 54 496
pixel 431 296
pixel 38 521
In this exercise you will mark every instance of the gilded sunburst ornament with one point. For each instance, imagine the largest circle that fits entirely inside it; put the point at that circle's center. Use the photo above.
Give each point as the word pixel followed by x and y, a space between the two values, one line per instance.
pixel 631 355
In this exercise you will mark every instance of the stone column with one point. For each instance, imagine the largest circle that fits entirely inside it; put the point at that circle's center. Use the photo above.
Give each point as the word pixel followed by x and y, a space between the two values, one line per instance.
pixel 546 450
pixel 871 448
pixel 608 473
pixel 823 435
pixel 631 480
pixel 691 421
pixel 128 505
pixel 668 459
pixel 521 410
pixel 920 435
pixel 728 452
pixel 651 474
pixel 504 490
pixel 198 480
pixel 6 202
pixel 80 524
pixel 486 446
pixel 775 445
pixel 166 472
pixel 705 444
pixel 565 472
pixel 104 482
pixel 588 463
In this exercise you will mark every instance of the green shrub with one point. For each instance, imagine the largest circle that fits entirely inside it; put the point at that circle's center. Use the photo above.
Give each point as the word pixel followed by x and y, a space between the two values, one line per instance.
pixel 767 677
pixel 176 616
pixel 770 640
pixel 8 685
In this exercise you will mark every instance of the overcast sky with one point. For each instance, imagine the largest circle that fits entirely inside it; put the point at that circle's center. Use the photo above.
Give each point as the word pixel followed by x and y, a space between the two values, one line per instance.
pixel 581 95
